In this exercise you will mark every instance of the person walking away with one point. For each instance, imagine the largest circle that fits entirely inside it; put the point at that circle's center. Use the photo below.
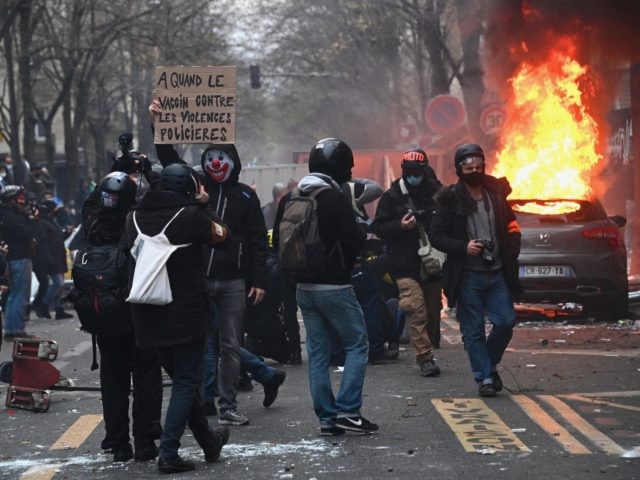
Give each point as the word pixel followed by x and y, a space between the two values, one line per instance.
pixel 478 230
pixel 17 226
pixel 178 330
pixel 407 204
pixel 326 296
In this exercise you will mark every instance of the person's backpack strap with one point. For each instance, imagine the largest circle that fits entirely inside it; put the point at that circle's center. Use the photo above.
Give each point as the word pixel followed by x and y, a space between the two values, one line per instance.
pixel 338 246
pixel 424 238
pixel 94 364
pixel 135 223
pixel 172 219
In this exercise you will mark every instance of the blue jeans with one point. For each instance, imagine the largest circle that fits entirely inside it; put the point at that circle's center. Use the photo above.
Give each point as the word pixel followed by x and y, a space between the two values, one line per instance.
pixel 260 371
pixel 337 310
pixel 53 297
pixel 18 301
pixel 480 292
pixel 184 364
pixel 228 296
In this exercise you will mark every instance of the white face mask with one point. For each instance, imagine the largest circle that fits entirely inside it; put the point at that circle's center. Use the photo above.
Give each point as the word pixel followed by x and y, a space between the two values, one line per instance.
pixel 218 165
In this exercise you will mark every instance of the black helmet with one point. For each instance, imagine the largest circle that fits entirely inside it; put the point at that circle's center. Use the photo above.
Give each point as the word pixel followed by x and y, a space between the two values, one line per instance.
pixel 332 157
pixel 11 192
pixel 464 151
pixel 180 178
pixel 117 191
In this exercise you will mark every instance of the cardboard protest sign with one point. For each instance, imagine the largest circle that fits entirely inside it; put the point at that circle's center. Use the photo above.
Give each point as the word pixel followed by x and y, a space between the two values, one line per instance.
pixel 198 104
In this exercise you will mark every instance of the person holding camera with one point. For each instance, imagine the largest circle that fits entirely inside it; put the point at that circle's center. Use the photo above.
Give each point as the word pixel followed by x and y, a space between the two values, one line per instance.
pixel 135 164
pixel 478 230
pixel 408 203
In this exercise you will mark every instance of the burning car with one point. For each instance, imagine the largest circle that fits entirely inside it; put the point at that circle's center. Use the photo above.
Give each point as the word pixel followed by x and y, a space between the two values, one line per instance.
pixel 572 252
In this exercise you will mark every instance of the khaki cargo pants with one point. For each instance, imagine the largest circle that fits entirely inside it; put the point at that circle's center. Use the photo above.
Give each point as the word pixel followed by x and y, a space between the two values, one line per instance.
pixel 421 303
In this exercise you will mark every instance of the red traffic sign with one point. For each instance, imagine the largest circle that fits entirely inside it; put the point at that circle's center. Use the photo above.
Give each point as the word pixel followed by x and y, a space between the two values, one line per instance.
pixel 406 132
pixel 444 114
pixel 492 119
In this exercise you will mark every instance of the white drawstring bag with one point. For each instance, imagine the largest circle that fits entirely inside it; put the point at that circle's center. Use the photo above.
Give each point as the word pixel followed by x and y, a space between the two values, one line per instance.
pixel 150 278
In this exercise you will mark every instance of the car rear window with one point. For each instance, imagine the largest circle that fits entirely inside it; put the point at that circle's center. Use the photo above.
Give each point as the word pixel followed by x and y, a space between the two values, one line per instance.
pixel 555 211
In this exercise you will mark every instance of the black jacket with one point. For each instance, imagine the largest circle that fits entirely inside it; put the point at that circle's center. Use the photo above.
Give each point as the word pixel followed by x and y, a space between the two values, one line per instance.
pixel 18 232
pixel 337 223
pixel 448 232
pixel 188 316
pixel 402 245
pixel 107 223
pixel 238 207
pixel 51 255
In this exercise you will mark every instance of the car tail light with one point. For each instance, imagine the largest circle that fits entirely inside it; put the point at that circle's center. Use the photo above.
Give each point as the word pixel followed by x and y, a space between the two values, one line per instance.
pixel 611 234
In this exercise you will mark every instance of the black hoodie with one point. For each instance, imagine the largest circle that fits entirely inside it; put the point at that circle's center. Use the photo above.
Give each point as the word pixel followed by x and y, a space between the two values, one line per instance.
pixel 238 206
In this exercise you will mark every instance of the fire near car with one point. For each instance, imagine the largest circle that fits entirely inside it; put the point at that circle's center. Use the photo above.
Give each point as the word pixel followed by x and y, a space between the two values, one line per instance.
pixel 572 252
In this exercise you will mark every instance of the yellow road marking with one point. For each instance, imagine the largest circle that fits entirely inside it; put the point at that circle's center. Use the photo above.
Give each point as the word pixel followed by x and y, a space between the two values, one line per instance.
pixel 597 401
pixel 78 432
pixel 46 472
pixel 549 425
pixel 594 435
pixel 627 393
pixel 477 426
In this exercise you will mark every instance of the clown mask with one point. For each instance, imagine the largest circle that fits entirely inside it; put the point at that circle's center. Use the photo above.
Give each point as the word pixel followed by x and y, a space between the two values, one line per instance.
pixel 218 165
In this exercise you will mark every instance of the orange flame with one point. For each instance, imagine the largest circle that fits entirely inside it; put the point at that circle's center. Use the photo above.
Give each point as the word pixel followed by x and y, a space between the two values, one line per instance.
pixel 549 140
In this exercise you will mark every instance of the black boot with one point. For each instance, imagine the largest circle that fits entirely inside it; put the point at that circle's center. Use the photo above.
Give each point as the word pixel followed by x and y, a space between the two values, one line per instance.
pixel 42 312
pixel 62 315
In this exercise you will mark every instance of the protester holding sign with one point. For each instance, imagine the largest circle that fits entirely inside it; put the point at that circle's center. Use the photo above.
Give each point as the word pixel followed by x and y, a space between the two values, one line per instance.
pixel 234 269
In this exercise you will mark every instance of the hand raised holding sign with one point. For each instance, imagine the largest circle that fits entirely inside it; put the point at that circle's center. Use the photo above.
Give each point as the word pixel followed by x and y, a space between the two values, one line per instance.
pixel 154 109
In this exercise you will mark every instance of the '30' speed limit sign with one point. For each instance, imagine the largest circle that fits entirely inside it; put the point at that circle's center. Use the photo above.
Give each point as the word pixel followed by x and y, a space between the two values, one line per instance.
pixel 492 119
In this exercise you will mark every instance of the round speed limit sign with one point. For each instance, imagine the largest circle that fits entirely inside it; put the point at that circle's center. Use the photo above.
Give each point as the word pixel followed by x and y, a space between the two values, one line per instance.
pixel 492 119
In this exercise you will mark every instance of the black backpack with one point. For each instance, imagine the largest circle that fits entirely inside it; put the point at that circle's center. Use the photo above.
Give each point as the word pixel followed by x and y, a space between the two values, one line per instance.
pixel 100 283
pixel 301 250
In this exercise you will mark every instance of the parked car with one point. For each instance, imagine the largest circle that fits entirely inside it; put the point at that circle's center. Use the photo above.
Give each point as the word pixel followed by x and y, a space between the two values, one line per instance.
pixel 573 257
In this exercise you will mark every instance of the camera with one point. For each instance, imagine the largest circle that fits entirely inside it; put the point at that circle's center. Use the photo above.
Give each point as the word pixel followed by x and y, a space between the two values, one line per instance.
pixel 416 213
pixel 129 161
pixel 487 251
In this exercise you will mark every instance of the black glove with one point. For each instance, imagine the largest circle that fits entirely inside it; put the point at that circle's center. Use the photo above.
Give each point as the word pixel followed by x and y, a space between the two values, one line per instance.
pixel 145 163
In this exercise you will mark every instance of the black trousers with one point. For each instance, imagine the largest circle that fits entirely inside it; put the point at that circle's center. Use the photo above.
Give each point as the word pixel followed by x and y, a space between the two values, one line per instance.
pixel 120 362
pixel 43 284
pixel 291 325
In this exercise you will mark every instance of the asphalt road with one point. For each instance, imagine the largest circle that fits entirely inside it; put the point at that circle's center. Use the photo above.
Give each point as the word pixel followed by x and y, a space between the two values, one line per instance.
pixel 567 413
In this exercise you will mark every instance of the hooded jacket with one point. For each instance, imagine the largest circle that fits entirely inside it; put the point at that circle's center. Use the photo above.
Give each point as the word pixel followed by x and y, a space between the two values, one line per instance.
pixel 337 223
pixel 403 245
pixel 51 255
pixel 238 206
pixel 448 232
pixel 189 315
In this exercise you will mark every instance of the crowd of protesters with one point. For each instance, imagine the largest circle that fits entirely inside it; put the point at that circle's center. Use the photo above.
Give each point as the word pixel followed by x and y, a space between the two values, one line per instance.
pixel 231 302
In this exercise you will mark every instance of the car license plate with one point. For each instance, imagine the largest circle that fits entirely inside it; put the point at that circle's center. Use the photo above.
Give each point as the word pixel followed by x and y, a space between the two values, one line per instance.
pixel 529 271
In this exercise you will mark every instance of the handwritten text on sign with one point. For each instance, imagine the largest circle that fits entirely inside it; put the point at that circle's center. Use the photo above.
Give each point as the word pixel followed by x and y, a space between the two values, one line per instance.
pixel 198 104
